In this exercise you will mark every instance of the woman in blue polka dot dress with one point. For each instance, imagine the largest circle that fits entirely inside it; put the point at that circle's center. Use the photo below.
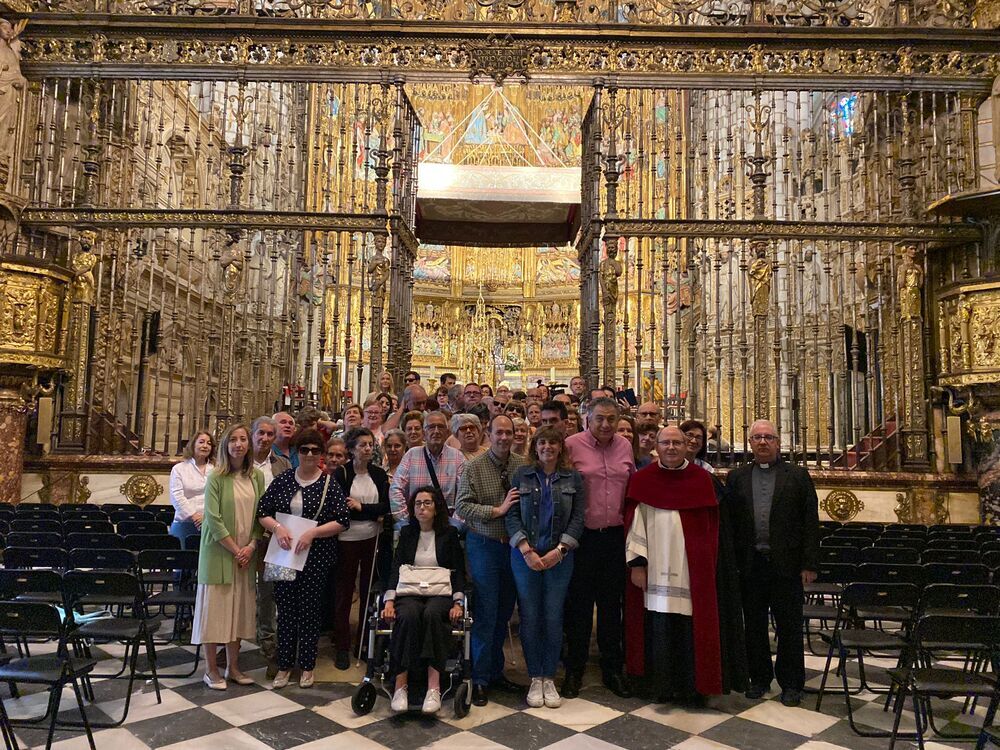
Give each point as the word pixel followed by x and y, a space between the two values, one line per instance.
pixel 301 493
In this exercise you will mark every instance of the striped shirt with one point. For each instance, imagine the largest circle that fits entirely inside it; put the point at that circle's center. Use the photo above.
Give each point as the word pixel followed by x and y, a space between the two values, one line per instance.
pixel 412 474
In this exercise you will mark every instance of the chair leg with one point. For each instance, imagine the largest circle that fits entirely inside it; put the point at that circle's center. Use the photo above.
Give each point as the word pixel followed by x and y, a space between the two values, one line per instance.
pixel 9 739
pixel 917 717
pixel 83 714
pixel 991 710
pixel 151 656
pixel 826 673
pixel 55 693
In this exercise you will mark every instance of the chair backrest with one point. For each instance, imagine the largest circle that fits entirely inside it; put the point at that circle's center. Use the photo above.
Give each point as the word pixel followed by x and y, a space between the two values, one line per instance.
pixel 838 554
pixel 88 527
pixel 851 531
pixel 35 557
pixel 976 599
pixel 126 528
pixel 83 515
pixel 956 633
pixel 857 542
pixel 113 507
pixel 101 559
pixel 17 581
pixel 192 541
pixel 882 573
pixel 907 542
pixel 890 555
pixel 832 572
pixel 932 555
pixel 964 545
pixel 164 514
pixel 956 527
pixel 7 515
pixel 30 620
pixel 94 541
pixel 34 539
pixel 988 544
pixel 101 587
pixel 165 559
pixel 922 528
pixel 132 514
pixel 991 559
pixel 956 573
pixel 36 525
pixel 78 508
pixel 860 594
pixel 952 536
pixel 36 513
pixel 865 525
pixel 139 542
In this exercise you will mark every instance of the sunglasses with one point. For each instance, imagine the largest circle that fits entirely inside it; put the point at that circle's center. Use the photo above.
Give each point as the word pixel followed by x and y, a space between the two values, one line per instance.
pixel 310 450
pixel 410 380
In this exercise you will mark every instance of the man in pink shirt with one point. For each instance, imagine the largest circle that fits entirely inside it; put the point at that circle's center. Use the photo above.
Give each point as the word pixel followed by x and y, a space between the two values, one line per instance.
pixel 606 462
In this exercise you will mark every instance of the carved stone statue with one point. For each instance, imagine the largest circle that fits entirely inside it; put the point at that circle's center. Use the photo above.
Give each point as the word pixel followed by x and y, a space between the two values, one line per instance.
pixel 610 270
pixel 910 280
pixel 760 281
pixel 12 86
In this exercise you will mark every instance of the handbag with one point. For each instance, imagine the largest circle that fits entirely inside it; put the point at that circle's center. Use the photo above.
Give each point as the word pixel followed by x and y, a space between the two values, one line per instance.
pixel 274 572
pixel 415 580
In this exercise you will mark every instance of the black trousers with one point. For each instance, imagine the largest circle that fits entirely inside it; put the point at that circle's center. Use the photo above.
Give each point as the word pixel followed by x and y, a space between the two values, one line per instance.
pixel 421 633
pixel 598 578
pixel 765 590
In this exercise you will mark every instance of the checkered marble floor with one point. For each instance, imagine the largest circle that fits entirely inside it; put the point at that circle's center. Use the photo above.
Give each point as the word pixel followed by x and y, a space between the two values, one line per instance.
pixel 192 717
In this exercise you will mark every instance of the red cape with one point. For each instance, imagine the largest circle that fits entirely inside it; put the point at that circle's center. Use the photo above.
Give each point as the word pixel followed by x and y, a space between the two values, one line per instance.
pixel 691 492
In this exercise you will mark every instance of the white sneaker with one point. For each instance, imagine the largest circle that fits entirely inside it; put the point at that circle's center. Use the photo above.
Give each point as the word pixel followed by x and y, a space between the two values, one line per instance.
pixel 400 700
pixel 550 694
pixel 535 697
pixel 432 701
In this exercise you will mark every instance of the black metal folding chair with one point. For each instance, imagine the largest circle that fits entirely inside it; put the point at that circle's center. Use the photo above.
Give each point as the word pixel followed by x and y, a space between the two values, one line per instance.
pixel 36 525
pixel 169 578
pixel 956 573
pixel 96 558
pixel 139 542
pixel 118 516
pixel 26 620
pixel 890 555
pixel 974 636
pixel 111 590
pixel 54 558
pixel 94 541
pixel 861 606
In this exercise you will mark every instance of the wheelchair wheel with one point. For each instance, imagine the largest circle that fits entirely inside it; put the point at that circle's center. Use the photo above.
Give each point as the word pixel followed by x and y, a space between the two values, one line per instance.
pixel 463 700
pixel 363 700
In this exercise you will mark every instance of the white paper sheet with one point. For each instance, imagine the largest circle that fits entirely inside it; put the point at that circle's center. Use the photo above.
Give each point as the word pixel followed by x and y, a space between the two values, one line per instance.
pixel 296 526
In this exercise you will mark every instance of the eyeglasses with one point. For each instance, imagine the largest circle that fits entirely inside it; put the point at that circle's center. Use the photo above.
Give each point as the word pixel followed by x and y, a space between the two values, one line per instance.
pixel 310 450
pixel 423 503
pixel 693 436
pixel 410 380
pixel 763 438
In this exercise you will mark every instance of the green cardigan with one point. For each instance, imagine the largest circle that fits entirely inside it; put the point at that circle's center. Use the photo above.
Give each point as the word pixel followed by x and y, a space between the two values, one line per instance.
pixel 215 563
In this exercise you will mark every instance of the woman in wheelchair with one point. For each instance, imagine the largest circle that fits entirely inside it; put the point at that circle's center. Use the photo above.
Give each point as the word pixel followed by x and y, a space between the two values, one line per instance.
pixel 424 599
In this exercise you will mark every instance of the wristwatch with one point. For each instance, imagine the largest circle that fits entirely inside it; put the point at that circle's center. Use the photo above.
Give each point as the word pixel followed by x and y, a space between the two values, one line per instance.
pixel 563 549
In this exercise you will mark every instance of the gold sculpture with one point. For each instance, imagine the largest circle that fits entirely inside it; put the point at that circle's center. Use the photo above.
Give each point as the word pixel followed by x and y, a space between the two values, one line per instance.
pixel 760 280
pixel 841 505
pixel 910 275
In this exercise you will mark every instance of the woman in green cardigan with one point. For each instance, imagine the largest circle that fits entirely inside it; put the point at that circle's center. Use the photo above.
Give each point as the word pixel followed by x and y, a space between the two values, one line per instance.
pixel 225 609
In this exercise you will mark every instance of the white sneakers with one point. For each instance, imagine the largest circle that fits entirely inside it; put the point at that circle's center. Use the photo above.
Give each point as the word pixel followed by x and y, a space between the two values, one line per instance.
pixel 542 692
pixel 432 701
pixel 550 694
pixel 536 697
pixel 401 700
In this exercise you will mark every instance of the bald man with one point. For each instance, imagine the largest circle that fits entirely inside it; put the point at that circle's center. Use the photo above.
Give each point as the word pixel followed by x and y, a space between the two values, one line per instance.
pixel 648 413
pixel 776 519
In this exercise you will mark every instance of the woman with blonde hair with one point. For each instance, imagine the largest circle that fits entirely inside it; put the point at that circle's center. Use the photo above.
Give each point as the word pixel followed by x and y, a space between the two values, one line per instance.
pixel 522 432
pixel 224 611
pixel 187 485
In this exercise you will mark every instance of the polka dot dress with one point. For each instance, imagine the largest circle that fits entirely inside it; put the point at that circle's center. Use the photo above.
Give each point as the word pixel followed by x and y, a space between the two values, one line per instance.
pixel 299 601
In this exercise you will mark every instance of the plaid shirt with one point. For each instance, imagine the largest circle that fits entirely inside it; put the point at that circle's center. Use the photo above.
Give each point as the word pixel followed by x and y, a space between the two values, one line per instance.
pixel 412 473
pixel 484 485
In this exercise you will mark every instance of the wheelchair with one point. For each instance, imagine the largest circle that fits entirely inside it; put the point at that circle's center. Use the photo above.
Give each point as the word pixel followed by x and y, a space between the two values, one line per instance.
pixel 456 680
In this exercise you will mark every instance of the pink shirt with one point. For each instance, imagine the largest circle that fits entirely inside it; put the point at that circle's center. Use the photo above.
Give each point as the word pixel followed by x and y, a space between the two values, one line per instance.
pixel 606 470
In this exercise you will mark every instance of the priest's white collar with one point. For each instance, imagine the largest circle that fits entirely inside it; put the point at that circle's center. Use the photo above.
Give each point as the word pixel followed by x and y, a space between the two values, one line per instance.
pixel 763 466
pixel 678 468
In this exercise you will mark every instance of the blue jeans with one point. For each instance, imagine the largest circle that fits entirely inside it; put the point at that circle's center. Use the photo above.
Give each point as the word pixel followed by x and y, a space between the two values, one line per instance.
pixel 492 604
pixel 541 595
pixel 183 529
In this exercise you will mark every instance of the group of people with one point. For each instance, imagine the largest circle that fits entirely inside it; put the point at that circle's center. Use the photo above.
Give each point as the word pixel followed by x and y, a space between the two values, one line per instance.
pixel 559 504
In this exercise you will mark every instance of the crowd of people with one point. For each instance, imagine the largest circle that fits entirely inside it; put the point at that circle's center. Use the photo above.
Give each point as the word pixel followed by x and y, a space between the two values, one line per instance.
pixel 559 503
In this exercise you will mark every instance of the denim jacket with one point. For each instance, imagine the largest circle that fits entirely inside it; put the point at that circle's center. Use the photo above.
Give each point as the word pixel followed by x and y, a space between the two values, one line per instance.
pixel 568 502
